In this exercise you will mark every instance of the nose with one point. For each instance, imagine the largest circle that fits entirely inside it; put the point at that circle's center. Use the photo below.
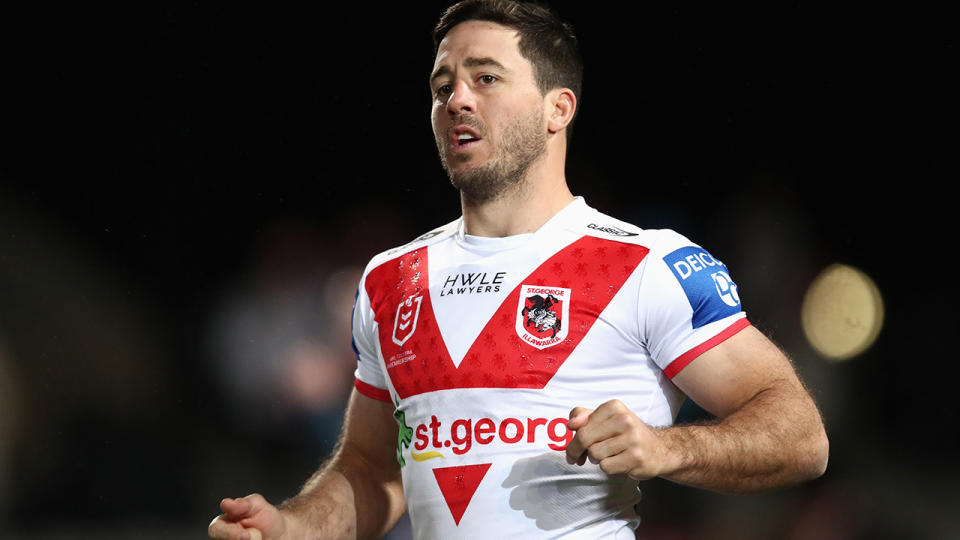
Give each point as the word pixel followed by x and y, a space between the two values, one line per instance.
pixel 462 99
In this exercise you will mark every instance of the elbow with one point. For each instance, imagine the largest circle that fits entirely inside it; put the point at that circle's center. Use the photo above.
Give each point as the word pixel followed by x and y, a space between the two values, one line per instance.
pixel 816 456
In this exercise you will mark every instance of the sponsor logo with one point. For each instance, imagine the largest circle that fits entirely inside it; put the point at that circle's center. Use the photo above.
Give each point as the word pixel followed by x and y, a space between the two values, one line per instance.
pixel 459 483
pixel 541 315
pixel 610 229
pixel 433 439
pixel 706 281
pixel 472 283
pixel 726 288
pixel 696 261
pixel 427 236
pixel 408 313
pixel 420 238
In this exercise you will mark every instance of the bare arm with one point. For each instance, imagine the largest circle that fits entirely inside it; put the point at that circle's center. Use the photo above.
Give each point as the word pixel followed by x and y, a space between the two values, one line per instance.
pixel 768 433
pixel 357 494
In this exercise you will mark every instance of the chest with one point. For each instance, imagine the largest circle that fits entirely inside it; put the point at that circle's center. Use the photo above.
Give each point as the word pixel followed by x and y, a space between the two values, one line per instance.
pixel 451 319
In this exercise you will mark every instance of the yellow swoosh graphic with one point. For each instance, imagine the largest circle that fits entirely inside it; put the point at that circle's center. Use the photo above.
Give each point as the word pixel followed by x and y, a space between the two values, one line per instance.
pixel 425 456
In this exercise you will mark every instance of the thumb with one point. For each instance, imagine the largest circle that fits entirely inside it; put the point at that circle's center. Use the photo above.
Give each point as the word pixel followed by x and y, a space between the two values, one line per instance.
pixel 578 418
pixel 236 509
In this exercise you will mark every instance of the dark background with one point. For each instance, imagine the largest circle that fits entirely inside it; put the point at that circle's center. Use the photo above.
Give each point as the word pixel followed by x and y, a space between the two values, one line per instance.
pixel 182 186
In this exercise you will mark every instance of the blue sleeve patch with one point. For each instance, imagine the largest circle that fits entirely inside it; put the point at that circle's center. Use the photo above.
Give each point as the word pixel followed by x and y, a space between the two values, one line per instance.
pixel 707 284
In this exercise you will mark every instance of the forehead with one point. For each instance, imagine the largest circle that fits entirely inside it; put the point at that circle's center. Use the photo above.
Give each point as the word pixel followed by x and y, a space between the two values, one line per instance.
pixel 480 39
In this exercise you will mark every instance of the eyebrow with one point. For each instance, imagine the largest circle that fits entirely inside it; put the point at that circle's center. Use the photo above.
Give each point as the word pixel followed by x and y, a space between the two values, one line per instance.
pixel 469 62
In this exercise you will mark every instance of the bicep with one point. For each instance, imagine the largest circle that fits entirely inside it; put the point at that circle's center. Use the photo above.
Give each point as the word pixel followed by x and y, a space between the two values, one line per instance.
pixel 728 375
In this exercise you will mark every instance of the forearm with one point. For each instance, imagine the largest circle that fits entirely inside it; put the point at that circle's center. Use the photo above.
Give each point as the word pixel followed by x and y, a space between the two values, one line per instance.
pixel 775 439
pixel 347 498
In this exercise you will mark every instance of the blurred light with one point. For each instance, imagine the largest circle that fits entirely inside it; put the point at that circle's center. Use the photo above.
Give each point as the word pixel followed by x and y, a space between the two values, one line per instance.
pixel 842 312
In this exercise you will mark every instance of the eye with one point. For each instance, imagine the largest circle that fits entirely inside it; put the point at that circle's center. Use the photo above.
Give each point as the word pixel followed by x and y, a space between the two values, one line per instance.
pixel 488 79
pixel 444 90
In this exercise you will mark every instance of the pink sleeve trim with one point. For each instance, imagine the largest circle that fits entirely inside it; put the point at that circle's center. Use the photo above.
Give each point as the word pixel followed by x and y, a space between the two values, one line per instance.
pixel 681 362
pixel 371 391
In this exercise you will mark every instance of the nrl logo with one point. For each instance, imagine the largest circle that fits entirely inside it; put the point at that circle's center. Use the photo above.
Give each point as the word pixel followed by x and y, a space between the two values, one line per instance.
pixel 541 315
pixel 406 321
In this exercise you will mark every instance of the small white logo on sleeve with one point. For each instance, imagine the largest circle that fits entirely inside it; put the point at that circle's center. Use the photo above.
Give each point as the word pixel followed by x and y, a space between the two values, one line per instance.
pixel 726 288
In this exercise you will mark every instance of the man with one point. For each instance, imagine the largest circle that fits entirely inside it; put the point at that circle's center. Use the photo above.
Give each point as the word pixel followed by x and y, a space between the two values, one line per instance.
pixel 518 368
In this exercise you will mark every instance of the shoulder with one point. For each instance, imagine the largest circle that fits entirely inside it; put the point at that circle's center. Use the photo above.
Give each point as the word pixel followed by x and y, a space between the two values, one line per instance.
pixel 592 222
pixel 434 236
pixel 666 248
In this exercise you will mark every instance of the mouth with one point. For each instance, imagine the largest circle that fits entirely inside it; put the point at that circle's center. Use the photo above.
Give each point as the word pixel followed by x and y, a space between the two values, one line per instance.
pixel 464 138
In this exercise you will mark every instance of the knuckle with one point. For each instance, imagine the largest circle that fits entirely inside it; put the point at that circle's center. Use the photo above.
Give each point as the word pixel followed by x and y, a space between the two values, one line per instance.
pixel 621 422
pixel 610 404
pixel 594 451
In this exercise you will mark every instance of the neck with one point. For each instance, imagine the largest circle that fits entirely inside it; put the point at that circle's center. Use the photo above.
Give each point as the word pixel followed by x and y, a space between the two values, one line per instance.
pixel 538 198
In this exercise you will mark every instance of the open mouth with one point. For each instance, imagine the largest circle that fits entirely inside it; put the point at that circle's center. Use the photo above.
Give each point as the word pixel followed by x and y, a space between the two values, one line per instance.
pixel 463 138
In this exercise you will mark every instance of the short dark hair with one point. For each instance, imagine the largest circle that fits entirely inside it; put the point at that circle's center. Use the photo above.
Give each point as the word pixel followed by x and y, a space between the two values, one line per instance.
pixel 546 41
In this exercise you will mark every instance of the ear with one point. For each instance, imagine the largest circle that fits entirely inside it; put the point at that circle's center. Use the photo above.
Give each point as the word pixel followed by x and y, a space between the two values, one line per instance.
pixel 560 104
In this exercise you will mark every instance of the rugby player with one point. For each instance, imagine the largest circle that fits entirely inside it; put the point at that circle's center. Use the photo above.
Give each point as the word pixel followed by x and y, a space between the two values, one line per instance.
pixel 519 369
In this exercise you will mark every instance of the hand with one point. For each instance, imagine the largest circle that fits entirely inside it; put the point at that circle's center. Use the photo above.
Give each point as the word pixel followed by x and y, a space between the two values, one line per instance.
pixel 249 518
pixel 616 439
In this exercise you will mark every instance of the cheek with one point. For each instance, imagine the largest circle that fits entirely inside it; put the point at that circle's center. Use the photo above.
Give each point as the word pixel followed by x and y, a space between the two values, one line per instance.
pixel 435 121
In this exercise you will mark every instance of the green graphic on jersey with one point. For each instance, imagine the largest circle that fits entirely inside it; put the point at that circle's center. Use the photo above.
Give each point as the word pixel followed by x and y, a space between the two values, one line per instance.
pixel 404 434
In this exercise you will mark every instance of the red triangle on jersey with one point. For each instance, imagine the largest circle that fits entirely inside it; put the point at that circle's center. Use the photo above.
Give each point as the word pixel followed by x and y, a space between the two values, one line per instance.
pixel 458 484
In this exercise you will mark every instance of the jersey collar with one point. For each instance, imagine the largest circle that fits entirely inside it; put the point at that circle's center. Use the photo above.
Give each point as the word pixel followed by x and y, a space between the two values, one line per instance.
pixel 482 243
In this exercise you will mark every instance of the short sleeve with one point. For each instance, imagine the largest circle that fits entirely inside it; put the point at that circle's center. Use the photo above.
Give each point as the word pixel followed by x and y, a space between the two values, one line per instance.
pixel 688 302
pixel 370 380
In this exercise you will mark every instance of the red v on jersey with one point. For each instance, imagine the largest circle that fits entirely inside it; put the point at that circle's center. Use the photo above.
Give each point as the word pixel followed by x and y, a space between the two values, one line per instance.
pixel 593 270
pixel 458 484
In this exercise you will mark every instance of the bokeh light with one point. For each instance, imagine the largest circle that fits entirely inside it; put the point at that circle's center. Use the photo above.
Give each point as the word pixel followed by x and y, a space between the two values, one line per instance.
pixel 842 312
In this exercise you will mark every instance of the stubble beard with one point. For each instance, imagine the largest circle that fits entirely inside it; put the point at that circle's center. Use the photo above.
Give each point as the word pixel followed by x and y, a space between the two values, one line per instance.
pixel 520 145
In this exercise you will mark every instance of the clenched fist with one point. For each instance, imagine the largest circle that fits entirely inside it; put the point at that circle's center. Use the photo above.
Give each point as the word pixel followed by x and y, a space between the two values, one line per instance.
pixel 615 438
pixel 249 518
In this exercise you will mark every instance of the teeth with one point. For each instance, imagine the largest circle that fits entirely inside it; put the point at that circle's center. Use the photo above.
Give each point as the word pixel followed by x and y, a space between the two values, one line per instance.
pixel 465 136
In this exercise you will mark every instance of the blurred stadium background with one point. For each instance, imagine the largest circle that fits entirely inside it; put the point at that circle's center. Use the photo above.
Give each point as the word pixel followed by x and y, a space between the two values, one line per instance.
pixel 189 192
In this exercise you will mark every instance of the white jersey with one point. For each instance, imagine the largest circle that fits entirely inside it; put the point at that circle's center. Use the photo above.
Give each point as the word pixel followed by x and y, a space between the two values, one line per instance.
pixel 484 345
